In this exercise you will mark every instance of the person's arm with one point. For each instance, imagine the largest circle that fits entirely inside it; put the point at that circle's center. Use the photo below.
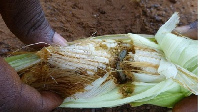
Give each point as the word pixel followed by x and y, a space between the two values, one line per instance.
pixel 26 19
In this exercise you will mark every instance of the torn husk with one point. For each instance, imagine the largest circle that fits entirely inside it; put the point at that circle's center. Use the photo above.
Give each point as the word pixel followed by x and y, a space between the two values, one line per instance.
pixel 70 69
pixel 108 71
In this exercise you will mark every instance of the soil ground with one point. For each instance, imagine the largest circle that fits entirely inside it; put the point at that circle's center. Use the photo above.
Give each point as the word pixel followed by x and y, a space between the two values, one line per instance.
pixel 75 19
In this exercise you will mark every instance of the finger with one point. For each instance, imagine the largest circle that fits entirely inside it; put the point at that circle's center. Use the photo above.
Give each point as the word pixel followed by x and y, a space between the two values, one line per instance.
pixel 190 30
pixel 188 104
pixel 50 100
pixel 58 39
pixel 8 78
pixel 38 102
pixel 9 86
pixel 26 19
pixel 16 94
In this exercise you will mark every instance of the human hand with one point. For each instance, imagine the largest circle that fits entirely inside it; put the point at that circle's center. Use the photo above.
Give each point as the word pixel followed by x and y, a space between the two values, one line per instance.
pixel 188 104
pixel 26 19
pixel 18 97
pixel 190 30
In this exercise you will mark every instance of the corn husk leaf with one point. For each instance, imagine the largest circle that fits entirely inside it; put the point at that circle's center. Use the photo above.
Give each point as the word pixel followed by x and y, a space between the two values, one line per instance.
pixel 88 72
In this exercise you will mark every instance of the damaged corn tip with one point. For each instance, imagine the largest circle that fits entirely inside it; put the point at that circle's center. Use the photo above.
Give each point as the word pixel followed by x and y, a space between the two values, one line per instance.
pixel 90 55
pixel 144 60
pixel 112 70
pixel 87 60
pixel 90 60
pixel 126 89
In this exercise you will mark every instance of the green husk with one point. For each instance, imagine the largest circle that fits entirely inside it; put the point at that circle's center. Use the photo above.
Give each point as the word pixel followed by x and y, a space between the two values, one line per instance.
pixel 23 61
pixel 170 78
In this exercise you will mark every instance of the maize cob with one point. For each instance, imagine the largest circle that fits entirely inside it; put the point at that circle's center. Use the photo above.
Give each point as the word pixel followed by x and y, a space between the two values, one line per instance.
pixel 108 71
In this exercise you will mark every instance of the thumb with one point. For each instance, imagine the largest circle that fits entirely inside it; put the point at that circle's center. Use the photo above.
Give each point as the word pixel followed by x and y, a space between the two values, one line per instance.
pixel 190 30
pixel 38 102
pixel 19 97
pixel 50 100
pixel 58 39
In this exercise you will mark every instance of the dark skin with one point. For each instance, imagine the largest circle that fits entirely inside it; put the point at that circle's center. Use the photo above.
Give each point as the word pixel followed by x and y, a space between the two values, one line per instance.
pixel 25 19
pixel 190 30
pixel 18 97
pixel 188 104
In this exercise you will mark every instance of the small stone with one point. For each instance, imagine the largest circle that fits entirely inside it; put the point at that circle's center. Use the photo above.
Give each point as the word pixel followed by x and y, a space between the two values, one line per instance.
pixel 155 6
pixel 3 51
pixel 173 1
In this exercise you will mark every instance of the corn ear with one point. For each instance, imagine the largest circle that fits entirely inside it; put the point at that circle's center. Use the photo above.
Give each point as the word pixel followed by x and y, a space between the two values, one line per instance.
pixel 112 70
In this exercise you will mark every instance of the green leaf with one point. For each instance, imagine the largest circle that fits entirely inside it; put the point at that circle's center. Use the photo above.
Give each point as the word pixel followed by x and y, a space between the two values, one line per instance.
pixel 20 62
pixel 165 99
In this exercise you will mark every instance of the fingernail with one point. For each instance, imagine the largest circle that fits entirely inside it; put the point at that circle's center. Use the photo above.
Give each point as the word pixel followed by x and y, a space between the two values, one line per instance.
pixel 58 39
pixel 187 31
pixel 182 29
pixel 194 25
